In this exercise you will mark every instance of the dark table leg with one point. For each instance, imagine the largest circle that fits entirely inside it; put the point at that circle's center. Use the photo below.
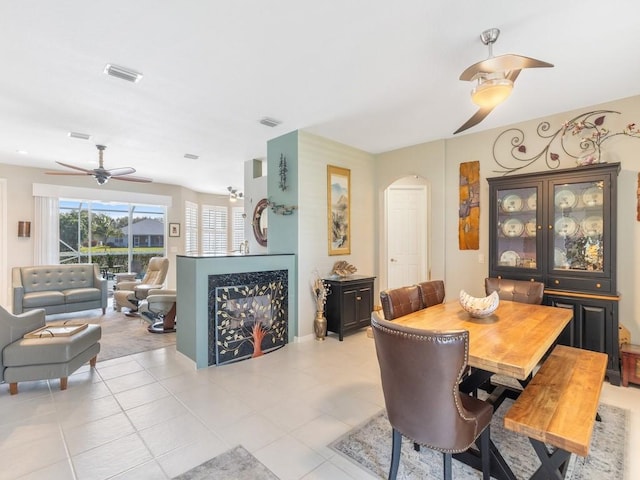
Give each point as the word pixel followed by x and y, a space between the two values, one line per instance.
pixel 554 464
pixel 499 467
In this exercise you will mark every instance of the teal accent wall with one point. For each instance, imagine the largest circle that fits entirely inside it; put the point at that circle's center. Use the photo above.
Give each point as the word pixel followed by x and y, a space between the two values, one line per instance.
pixel 283 229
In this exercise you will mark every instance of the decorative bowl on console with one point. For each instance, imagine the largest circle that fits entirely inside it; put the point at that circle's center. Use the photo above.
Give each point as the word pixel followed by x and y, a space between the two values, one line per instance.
pixel 479 307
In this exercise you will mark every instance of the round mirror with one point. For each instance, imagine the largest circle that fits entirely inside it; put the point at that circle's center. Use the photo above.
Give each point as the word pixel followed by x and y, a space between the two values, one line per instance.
pixel 259 222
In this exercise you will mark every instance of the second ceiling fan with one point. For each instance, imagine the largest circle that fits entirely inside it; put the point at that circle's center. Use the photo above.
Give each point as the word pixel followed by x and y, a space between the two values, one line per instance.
pixel 495 77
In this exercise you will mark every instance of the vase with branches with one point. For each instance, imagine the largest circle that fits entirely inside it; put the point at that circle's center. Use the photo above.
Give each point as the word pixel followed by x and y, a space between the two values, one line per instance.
pixel 319 289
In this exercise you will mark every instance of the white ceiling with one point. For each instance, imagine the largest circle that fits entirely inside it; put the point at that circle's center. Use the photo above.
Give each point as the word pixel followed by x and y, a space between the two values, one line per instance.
pixel 373 74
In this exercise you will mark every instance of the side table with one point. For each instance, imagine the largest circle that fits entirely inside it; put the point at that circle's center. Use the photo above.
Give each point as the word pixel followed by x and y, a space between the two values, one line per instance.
pixel 630 364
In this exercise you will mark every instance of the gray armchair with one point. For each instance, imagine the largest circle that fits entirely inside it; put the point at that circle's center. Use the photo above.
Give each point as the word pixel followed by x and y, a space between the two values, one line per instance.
pixel 130 294
pixel 23 359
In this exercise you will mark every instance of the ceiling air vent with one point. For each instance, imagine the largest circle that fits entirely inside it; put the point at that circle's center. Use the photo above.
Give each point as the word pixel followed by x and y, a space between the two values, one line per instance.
pixel 81 136
pixel 270 122
pixel 122 73
pixel 191 156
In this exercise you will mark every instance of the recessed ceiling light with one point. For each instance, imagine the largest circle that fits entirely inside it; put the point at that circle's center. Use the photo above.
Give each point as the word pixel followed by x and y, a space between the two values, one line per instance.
pixel 270 122
pixel 122 73
pixel 22 152
pixel 81 136
pixel 191 156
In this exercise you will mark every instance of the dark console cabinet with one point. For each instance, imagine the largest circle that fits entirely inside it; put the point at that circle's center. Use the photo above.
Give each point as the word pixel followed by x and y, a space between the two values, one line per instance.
pixel 349 304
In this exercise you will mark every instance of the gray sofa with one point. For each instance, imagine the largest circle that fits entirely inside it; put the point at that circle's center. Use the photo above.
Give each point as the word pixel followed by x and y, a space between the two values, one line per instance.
pixel 58 288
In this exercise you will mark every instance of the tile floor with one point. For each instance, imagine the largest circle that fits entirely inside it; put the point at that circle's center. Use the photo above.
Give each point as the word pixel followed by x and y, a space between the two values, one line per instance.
pixel 152 416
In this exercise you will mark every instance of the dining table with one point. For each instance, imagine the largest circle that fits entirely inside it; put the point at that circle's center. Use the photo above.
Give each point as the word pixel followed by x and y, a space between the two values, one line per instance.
pixel 511 342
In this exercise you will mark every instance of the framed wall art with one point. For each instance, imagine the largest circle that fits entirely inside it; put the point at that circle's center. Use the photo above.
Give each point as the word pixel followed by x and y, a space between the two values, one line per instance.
pixel 174 229
pixel 339 210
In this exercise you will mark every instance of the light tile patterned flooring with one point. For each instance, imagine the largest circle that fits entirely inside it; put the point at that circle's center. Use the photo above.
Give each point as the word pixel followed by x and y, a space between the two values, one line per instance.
pixel 152 416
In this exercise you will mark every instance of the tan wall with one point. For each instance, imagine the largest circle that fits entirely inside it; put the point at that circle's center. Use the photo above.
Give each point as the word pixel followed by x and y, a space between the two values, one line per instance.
pixel 463 271
pixel 20 180
pixel 314 154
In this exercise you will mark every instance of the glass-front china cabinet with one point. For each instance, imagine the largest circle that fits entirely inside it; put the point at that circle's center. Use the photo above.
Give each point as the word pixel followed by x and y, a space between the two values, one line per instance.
pixel 559 227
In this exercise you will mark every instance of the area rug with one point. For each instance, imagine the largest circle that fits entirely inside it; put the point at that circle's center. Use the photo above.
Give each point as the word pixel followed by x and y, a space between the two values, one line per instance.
pixel 121 335
pixel 369 446
pixel 234 464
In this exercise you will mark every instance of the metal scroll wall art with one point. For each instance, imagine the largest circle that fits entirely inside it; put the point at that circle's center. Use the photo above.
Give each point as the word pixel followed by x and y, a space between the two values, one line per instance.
pixel 281 209
pixel 282 167
pixel 580 138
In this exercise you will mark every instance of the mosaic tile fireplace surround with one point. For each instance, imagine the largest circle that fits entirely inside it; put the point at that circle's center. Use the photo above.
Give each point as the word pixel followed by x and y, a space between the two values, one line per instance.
pixel 248 314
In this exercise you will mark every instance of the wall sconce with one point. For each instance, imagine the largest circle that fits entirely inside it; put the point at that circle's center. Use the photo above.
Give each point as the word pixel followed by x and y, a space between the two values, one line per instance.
pixel 24 229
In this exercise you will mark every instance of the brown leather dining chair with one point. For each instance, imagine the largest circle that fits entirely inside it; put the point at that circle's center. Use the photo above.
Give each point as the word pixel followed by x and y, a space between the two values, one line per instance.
pixel 431 293
pixel 397 302
pixel 522 291
pixel 420 371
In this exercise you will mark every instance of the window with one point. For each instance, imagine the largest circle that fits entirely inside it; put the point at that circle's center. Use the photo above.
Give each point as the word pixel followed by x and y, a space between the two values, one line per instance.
pixel 119 237
pixel 237 228
pixel 214 229
pixel 190 228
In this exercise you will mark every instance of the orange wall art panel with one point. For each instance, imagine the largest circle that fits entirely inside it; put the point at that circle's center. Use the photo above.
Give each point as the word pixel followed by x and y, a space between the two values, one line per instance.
pixel 469 212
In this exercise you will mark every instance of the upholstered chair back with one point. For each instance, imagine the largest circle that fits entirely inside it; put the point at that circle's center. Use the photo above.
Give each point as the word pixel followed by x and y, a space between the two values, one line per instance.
pixel 397 302
pixel 420 371
pixel 156 271
pixel 13 327
pixel 522 291
pixel 431 293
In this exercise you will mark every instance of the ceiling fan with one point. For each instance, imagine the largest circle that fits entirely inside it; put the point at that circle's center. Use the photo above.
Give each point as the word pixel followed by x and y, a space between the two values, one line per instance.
pixel 495 77
pixel 101 174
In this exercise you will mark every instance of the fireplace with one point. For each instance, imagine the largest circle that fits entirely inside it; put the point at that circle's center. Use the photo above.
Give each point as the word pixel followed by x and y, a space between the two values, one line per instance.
pixel 248 315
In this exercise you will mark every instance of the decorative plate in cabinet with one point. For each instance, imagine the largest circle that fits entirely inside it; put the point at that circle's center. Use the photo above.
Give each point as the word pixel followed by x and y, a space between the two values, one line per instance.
pixel 566 226
pixel 509 258
pixel 530 228
pixel 565 199
pixel 511 203
pixel 513 227
pixel 592 197
pixel 592 226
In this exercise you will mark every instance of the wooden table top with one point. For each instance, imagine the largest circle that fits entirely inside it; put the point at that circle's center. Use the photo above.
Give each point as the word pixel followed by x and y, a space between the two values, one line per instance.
pixel 510 342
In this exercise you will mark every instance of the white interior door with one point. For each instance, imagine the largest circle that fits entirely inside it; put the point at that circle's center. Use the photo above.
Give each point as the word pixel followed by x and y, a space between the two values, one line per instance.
pixel 406 221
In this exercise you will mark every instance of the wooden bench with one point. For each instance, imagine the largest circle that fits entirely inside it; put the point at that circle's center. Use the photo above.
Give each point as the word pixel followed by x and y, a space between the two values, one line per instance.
pixel 559 407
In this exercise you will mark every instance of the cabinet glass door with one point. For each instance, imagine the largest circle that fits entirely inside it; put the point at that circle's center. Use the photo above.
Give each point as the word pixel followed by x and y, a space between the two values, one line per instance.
pixel 578 225
pixel 517 228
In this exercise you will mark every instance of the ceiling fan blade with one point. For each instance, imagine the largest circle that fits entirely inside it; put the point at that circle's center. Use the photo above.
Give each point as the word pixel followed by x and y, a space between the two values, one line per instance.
pixel 69 173
pixel 502 63
pixel 512 75
pixel 116 172
pixel 89 172
pixel 475 119
pixel 130 178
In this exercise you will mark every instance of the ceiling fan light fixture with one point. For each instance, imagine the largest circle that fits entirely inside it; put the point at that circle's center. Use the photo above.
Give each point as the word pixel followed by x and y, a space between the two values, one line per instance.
pixel 102 179
pixel 491 92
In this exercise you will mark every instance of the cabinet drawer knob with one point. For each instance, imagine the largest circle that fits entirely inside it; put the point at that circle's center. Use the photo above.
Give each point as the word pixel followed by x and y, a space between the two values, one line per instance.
pixel 358 298
pixel 557 282
pixel 550 227
pixel 539 227
pixel 598 285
